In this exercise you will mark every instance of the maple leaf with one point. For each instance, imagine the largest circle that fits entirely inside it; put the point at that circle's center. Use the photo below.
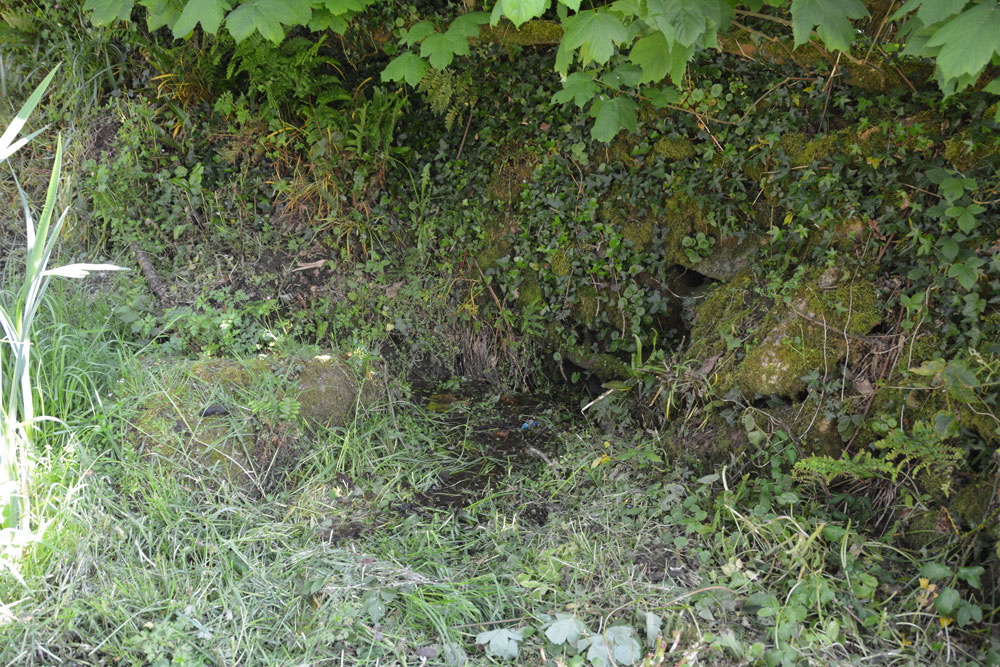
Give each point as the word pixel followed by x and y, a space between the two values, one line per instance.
pixel 611 116
pixel 968 41
pixel 104 12
pixel 441 48
pixel 407 67
pixel 518 11
pixel 267 18
pixel 208 13
pixel 658 57
pixel 579 87
pixel 831 18
pixel 595 33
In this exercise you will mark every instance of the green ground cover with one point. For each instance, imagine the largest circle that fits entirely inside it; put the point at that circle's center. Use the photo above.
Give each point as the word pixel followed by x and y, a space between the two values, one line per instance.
pixel 718 390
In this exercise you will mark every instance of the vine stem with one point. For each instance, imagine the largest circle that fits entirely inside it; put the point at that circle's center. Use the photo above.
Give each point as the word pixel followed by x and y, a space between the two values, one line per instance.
pixel 465 135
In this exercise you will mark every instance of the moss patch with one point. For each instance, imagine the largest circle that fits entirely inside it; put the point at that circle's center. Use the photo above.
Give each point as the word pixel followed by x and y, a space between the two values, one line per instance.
pixel 329 390
pixel 196 418
pixel 812 332
pixel 674 148
pixel 532 33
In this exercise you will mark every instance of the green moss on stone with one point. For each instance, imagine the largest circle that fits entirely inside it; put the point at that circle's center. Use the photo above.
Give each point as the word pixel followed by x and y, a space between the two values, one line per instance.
pixel 962 158
pixel 560 263
pixel 532 33
pixel 681 217
pixel 639 232
pixel 328 390
pixel 973 503
pixel 807 335
pixel 587 305
pixel 511 171
pixel 529 291
pixel 604 366
pixel 674 148
pixel 803 151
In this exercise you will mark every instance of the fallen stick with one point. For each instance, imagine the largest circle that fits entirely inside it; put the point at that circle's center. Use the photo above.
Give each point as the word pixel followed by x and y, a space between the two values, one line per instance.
pixel 155 284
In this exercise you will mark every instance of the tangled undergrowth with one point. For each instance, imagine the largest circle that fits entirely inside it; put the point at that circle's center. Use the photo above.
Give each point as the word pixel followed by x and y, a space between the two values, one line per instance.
pixel 775 303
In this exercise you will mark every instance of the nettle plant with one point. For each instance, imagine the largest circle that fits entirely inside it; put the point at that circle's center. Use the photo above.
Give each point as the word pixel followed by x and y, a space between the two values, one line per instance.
pixel 18 525
pixel 627 50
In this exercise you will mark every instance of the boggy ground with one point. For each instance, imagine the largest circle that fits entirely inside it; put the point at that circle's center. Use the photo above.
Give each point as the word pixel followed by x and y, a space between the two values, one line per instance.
pixel 455 525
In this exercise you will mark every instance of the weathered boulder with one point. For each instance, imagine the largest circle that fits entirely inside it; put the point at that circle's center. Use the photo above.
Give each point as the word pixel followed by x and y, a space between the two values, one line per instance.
pixel 781 343
pixel 231 422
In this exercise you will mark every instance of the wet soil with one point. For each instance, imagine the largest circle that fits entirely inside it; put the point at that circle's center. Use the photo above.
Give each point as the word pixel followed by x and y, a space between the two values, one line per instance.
pixel 513 433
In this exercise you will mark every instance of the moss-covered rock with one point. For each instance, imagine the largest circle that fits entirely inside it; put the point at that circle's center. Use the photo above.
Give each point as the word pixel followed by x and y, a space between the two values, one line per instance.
pixel 813 331
pixel 728 258
pixel 674 148
pixel 330 390
pixel 537 32
pixel 964 153
pixel 706 446
pixel 604 366
pixel 802 150
pixel 815 433
pixel 639 232
pixel 199 418
pixel 725 316
pixel 513 167
pixel 494 244
pixel 529 292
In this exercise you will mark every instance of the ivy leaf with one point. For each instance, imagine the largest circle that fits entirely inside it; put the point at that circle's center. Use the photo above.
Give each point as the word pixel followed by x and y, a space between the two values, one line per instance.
pixel 595 33
pixel 578 87
pixel 611 115
pixel 657 58
pixel 502 643
pixel 831 19
pixel 104 12
pixel 566 629
pixel 441 48
pixel 572 4
pixel 407 67
pixel 519 11
pixel 208 13
pixel 968 41
pixel 267 17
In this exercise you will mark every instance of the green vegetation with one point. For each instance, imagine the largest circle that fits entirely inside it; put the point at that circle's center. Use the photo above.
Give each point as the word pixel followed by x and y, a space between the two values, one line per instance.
pixel 461 338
